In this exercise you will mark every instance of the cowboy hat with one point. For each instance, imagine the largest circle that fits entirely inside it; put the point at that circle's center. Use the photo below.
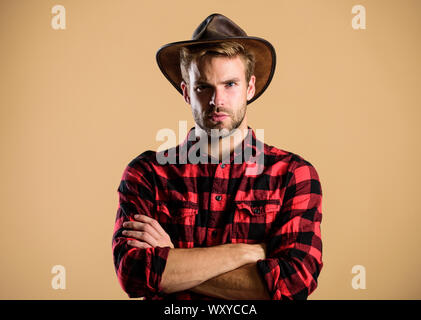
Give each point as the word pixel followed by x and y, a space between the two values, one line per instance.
pixel 216 28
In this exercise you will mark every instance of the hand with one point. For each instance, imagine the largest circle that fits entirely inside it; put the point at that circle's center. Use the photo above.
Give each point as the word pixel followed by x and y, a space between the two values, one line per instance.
pixel 147 232
pixel 260 251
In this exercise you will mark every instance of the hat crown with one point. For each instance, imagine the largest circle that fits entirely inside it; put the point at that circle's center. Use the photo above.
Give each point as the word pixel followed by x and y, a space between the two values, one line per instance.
pixel 217 26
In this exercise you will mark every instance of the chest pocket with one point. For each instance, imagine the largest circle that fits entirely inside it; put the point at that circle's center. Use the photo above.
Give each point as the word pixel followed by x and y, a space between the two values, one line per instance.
pixel 253 219
pixel 178 220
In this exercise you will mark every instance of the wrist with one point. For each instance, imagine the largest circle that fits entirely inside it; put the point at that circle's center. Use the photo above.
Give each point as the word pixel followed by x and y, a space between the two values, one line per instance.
pixel 251 253
pixel 260 251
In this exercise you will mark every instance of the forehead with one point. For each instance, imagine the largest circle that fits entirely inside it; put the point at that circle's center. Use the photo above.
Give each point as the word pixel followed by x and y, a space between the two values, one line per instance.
pixel 217 67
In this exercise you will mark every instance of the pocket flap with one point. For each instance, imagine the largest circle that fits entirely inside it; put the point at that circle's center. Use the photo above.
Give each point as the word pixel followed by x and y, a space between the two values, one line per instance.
pixel 177 211
pixel 259 207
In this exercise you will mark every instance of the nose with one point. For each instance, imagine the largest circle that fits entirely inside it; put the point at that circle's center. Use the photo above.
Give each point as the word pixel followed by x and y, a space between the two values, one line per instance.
pixel 218 98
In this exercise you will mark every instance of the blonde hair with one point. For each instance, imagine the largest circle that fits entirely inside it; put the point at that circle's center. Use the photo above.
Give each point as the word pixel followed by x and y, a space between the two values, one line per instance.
pixel 226 49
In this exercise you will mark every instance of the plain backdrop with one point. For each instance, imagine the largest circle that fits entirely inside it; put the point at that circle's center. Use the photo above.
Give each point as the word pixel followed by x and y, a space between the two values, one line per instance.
pixel 77 105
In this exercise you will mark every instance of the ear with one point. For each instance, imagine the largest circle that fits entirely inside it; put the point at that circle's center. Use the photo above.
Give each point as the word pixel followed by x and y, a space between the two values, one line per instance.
pixel 251 89
pixel 185 89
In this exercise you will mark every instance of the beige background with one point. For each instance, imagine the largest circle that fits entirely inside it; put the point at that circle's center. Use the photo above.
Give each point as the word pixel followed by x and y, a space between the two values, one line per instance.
pixel 77 105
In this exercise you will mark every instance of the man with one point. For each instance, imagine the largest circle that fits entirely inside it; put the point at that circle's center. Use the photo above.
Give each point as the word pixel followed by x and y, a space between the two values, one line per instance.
pixel 231 225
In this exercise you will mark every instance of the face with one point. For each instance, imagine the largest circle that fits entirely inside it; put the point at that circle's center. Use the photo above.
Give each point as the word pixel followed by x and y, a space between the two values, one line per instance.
pixel 218 93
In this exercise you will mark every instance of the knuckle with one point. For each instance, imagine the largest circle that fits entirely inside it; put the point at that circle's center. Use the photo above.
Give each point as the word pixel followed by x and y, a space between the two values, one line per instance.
pixel 148 228
pixel 144 218
pixel 135 225
pixel 155 224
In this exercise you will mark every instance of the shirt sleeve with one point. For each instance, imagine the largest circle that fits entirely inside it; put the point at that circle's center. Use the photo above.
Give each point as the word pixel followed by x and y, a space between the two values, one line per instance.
pixel 294 249
pixel 139 271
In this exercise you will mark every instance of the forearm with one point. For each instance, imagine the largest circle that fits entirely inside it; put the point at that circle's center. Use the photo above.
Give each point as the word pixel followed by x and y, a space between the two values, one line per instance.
pixel 188 268
pixel 244 283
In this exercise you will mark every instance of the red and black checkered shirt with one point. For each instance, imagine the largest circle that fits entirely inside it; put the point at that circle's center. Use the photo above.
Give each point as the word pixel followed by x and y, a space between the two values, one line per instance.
pixel 207 204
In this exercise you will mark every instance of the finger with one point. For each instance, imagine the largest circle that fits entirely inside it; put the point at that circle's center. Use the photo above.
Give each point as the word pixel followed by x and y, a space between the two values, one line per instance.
pixel 147 227
pixel 138 244
pixel 142 236
pixel 155 224
pixel 141 226
pixel 134 225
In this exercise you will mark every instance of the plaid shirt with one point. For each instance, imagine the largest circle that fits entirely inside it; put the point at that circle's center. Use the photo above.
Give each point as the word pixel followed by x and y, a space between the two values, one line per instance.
pixel 208 204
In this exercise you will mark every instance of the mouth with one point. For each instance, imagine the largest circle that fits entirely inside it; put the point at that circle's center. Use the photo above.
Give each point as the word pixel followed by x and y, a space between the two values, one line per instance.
pixel 217 117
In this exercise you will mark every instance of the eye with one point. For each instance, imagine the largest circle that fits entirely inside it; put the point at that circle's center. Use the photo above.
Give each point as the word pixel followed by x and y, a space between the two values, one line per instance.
pixel 230 84
pixel 201 88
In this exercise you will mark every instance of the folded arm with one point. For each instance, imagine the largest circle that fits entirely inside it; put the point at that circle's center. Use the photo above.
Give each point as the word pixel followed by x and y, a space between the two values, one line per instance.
pixel 244 283
pixel 227 271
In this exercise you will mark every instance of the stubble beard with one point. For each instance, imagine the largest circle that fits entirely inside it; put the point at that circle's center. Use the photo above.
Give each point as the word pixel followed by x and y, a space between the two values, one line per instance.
pixel 215 130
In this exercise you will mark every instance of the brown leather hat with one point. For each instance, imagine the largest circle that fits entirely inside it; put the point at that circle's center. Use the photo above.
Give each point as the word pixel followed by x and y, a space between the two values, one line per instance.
pixel 217 28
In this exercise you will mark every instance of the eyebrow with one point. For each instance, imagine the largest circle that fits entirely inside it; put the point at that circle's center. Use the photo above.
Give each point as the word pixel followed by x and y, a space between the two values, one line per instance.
pixel 202 81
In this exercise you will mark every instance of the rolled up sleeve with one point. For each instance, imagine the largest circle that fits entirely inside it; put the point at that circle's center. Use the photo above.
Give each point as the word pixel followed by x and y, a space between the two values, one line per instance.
pixel 294 249
pixel 139 271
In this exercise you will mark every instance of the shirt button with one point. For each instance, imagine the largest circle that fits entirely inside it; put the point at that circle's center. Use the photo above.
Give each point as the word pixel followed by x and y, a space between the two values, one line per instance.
pixel 218 198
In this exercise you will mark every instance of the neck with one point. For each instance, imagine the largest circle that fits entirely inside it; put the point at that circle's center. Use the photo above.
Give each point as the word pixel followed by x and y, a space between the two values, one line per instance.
pixel 221 147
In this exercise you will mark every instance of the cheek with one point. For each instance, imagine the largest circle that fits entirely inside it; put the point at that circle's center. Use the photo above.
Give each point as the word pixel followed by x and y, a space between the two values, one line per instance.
pixel 200 100
pixel 197 109
pixel 238 95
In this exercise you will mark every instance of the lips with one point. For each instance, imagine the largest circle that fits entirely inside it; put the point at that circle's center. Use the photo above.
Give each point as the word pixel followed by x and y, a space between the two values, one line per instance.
pixel 218 116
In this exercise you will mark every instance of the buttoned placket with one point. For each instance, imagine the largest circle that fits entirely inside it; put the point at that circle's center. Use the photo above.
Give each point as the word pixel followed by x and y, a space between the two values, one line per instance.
pixel 218 199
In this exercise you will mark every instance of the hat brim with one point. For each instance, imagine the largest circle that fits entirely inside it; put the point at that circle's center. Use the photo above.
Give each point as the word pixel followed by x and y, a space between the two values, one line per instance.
pixel 168 59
